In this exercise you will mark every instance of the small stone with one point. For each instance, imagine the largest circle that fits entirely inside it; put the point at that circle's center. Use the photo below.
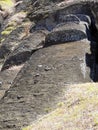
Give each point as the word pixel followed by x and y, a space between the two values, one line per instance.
pixel 35 81
pixel 40 66
pixel 47 68
pixel 9 82
pixel 19 97
pixel 36 75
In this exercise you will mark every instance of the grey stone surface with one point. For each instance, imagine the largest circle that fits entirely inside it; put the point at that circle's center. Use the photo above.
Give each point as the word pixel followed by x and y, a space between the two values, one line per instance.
pixel 75 7
pixel 69 18
pixel 49 16
pixel 77 18
pixel 10 42
pixel 66 33
pixel 1 20
pixel 38 85
pixel 25 49
pixel 84 18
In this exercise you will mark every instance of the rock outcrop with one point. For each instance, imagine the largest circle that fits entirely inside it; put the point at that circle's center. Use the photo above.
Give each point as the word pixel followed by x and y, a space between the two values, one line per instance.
pixel 25 49
pixel 39 82
pixel 53 46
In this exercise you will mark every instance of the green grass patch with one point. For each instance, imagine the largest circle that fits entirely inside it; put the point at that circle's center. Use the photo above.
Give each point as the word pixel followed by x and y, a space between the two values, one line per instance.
pixel 7 31
pixel 6 4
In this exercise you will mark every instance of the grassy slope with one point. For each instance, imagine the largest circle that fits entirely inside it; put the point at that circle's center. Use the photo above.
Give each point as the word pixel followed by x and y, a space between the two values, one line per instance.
pixel 77 111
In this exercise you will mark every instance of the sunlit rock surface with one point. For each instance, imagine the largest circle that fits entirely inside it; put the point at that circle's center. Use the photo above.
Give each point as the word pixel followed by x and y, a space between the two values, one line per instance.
pixel 37 67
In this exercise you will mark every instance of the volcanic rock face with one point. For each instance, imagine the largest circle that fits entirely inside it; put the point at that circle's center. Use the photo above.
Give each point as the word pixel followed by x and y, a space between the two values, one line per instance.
pixel 25 49
pixel 58 49
pixel 66 33
pixel 40 81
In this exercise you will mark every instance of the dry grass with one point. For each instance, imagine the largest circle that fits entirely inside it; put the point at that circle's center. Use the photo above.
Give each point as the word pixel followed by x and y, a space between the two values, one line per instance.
pixel 77 111
pixel 7 4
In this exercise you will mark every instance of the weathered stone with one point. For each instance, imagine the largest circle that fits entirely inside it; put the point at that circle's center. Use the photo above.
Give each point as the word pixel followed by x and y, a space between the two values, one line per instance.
pixel 23 5
pixel 1 20
pixel 45 24
pixel 6 79
pixel 25 49
pixel 42 80
pixel 50 23
pixel 40 26
pixel 84 18
pixel 66 33
pixel 69 18
pixel 76 7
pixel 77 18
pixel 10 42
pixel 35 89
pixel 94 10
pixel 79 8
